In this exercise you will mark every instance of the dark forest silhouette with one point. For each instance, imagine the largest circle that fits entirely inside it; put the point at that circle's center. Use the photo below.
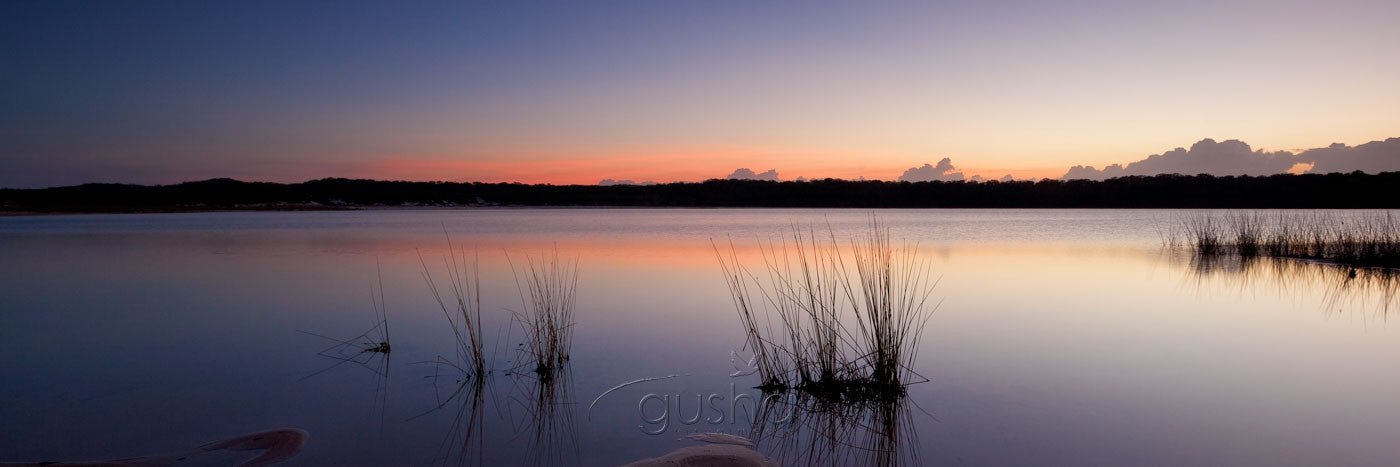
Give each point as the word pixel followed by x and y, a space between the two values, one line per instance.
pixel 1353 190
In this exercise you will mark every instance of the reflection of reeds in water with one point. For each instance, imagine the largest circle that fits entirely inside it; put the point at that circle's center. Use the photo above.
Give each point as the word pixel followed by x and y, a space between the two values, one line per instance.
pixel 549 319
pixel 1361 289
pixel 374 340
pixel 464 310
pixel 815 297
pixel 546 416
pixel 462 445
pixel 539 411
pixel 544 395
pixel 1370 239
pixel 548 324
pixel 369 350
pixel 799 429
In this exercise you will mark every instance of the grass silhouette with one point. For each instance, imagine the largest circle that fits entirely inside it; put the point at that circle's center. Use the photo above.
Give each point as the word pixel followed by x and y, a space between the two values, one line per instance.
pixel 840 324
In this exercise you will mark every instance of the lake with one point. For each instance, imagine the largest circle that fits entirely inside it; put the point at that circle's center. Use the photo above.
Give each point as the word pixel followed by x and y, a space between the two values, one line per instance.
pixel 1060 337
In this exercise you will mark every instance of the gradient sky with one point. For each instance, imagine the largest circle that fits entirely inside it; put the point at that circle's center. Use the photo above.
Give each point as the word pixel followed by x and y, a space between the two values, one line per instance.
pixel 575 92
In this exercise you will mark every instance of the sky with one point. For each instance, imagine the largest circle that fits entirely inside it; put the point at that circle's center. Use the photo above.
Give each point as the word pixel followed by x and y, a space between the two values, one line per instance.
pixel 578 92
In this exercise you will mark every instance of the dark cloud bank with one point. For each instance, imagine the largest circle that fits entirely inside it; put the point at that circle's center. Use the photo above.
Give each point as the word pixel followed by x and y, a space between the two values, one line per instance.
pixel 738 174
pixel 1207 156
pixel 1234 157
pixel 943 172
pixel 611 182
pixel 746 174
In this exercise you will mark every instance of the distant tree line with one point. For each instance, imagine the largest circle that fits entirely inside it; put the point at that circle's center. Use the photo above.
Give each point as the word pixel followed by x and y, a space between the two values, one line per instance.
pixel 1353 190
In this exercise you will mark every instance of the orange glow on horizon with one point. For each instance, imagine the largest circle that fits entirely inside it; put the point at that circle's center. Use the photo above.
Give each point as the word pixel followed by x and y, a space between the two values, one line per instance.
pixel 661 168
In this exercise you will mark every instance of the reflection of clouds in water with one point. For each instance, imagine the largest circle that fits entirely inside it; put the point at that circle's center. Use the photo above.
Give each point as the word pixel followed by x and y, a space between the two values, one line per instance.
pixel 1366 291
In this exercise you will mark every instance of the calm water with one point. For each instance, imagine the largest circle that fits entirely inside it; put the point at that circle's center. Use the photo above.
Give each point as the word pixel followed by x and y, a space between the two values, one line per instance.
pixel 1063 337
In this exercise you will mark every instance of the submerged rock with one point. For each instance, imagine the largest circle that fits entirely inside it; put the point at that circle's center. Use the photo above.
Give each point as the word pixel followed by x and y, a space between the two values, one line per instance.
pixel 254 449
pixel 722 450
pixel 720 438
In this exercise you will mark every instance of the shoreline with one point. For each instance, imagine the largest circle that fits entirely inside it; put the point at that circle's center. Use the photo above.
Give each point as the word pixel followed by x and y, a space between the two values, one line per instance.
pixel 7 211
pixel 15 211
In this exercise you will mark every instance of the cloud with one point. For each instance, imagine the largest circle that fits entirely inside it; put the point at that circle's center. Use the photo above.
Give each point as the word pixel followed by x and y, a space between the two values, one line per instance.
pixel 746 174
pixel 1372 157
pixel 611 182
pixel 1007 178
pixel 944 171
pixel 1089 173
pixel 1234 157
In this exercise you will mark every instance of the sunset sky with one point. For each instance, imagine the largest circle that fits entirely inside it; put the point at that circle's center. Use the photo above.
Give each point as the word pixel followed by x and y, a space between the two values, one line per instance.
pixel 577 92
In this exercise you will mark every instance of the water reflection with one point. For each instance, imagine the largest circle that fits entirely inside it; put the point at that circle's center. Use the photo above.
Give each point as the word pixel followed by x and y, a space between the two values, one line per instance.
pixel 1369 292
pixel 369 350
pixel 462 445
pixel 798 429
pixel 538 410
pixel 542 407
pixel 253 449
pixel 374 359
pixel 1058 344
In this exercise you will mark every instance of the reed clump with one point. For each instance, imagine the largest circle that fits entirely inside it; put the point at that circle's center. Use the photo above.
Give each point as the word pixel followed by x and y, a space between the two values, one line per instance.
pixel 374 340
pixel 1205 233
pixel 369 350
pixel 381 315
pixel 548 321
pixel 1363 240
pixel 840 324
pixel 462 307
pixel 547 287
